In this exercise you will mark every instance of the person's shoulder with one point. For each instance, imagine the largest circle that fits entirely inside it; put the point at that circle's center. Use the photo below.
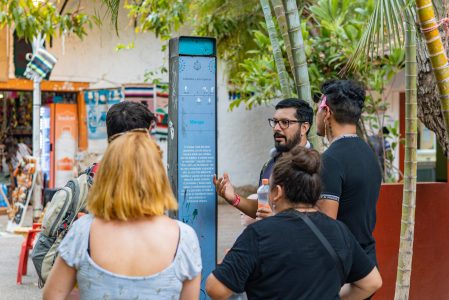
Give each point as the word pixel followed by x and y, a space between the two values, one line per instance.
pixel 188 257
pixel 82 223
pixel 267 224
pixel 332 157
pixel 76 241
pixel 366 152
pixel 349 147
pixel 336 231
pixel 345 231
pixel 339 147
pixel 325 220
pixel 322 218
pixel 186 231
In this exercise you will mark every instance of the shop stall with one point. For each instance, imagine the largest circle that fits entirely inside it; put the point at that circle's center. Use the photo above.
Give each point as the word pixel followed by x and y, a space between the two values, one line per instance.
pixel 59 99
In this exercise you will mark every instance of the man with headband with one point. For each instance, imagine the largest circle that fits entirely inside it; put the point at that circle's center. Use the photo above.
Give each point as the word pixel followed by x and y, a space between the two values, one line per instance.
pixel 350 173
pixel 291 123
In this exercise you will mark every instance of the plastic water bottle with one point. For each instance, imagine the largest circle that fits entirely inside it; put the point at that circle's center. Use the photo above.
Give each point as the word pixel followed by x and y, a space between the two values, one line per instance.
pixel 263 193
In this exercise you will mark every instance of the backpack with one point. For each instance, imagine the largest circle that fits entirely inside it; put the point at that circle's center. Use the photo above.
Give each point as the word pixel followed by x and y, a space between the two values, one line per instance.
pixel 61 212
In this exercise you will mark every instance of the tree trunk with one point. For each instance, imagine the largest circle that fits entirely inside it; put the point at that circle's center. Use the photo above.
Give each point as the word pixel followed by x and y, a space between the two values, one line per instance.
pixel 429 108
pixel 282 22
pixel 302 82
pixel 277 52
pixel 299 68
pixel 438 57
pixel 409 193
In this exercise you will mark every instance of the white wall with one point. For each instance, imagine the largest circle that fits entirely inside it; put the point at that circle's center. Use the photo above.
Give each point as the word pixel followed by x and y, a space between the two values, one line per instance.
pixel 94 58
pixel 244 138
pixel 391 97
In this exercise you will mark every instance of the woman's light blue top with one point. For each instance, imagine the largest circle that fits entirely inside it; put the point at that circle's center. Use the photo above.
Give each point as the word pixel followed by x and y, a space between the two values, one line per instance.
pixel 95 282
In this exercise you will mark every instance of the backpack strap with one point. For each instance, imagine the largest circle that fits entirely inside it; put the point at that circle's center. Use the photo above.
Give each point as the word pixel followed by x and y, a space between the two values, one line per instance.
pixel 73 185
pixel 90 172
pixel 75 199
pixel 325 243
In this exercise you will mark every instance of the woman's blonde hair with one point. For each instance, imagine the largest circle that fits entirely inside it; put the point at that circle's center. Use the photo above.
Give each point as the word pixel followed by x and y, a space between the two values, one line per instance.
pixel 131 181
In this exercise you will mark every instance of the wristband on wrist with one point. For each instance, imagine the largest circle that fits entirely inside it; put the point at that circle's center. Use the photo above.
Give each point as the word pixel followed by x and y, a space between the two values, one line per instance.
pixel 236 200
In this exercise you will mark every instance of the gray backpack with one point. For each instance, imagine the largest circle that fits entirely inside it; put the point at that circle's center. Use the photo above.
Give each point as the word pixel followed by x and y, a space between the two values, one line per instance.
pixel 61 212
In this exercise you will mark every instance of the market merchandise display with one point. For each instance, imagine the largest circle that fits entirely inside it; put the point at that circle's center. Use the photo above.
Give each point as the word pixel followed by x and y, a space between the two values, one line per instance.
pixel 25 175
pixel 16 116
pixel 4 204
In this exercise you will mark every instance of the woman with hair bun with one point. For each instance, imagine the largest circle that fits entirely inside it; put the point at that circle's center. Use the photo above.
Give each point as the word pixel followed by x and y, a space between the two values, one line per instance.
pixel 282 257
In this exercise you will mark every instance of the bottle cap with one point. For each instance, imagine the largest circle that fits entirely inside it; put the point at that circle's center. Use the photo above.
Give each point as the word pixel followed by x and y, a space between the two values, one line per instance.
pixel 265 181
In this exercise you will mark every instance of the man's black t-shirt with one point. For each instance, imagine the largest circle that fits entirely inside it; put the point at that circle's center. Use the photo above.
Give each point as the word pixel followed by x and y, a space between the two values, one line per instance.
pixel 281 258
pixel 351 175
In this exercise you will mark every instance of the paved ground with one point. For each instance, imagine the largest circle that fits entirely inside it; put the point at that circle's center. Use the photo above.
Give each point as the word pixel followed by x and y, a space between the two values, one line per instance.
pixel 9 257
pixel 228 229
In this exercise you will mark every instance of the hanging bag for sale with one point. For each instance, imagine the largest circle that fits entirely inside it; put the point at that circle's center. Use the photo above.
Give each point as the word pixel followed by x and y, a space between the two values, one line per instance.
pixel 40 63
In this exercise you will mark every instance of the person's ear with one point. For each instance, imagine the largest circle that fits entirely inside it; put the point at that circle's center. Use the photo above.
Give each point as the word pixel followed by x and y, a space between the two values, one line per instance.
pixel 327 114
pixel 304 128
pixel 277 193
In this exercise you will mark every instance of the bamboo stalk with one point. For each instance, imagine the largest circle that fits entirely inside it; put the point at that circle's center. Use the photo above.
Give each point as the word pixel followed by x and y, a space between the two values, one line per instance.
pixel 409 193
pixel 299 67
pixel 298 52
pixel 437 53
pixel 282 22
pixel 277 52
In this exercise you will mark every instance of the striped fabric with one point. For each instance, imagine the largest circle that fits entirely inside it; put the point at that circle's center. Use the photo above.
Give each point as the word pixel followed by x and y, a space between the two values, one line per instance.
pixel 41 63
pixel 140 93
pixel 156 99
pixel 161 112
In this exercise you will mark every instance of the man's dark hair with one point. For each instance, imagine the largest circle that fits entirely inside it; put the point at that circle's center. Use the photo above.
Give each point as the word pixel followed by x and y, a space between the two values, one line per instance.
pixel 304 112
pixel 126 115
pixel 345 98
pixel 297 171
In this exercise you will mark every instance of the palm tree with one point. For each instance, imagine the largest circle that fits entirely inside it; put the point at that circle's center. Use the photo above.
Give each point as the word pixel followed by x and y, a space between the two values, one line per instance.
pixel 386 28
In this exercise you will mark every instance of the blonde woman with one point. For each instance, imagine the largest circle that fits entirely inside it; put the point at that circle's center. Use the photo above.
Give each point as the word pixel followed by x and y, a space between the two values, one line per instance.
pixel 126 248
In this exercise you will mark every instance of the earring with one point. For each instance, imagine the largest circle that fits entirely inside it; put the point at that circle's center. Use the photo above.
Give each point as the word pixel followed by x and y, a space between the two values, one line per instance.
pixel 325 131
pixel 329 131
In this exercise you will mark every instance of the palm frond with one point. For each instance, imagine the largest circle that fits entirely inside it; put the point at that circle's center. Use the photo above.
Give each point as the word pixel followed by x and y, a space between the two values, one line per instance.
pixel 384 30
pixel 113 7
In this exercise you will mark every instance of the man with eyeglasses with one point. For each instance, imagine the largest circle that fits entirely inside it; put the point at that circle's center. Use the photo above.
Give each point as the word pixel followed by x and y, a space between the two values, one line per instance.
pixel 291 124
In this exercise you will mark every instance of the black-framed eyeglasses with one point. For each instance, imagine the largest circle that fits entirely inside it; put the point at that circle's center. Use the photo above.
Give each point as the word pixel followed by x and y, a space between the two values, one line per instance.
pixel 283 123
pixel 141 130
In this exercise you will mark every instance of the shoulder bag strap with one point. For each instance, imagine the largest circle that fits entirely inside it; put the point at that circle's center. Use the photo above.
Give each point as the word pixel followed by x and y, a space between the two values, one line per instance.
pixel 325 243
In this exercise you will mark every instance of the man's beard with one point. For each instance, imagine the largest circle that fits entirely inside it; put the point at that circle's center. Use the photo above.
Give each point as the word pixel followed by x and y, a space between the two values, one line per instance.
pixel 296 140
